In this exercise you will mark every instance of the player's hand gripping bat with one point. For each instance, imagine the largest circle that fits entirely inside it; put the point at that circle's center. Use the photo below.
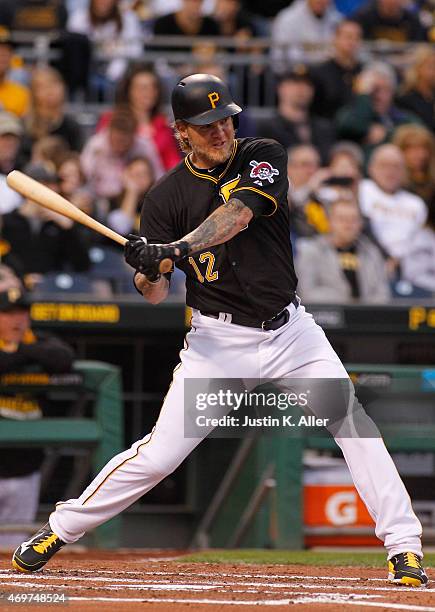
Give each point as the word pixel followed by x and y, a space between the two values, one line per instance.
pixel 46 197
pixel 145 257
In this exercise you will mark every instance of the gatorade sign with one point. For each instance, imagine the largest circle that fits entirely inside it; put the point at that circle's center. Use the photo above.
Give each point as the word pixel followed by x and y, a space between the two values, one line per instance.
pixel 334 505
pixel 340 508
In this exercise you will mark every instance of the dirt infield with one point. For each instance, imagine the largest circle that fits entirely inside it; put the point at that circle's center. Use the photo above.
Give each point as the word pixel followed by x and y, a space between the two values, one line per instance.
pixel 119 582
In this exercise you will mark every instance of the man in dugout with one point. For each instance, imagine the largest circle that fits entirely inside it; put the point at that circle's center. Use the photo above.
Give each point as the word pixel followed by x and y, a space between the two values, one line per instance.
pixel 22 349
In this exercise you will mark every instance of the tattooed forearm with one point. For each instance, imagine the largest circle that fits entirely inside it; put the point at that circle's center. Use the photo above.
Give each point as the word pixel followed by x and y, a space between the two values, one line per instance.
pixel 152 292
pixel 224 223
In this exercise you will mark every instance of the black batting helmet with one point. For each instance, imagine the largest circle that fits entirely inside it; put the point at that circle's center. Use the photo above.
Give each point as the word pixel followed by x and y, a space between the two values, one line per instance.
pixel 200 99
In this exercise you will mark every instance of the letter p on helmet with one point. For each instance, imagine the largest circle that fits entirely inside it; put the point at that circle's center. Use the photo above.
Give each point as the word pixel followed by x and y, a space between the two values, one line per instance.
pixel 214 98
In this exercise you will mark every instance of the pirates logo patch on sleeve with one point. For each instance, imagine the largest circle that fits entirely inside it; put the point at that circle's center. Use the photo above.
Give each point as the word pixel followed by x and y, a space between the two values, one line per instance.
pixel 262 171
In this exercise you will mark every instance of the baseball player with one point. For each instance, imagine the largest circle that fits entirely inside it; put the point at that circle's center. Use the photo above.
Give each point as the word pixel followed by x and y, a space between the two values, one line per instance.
pixel 222 216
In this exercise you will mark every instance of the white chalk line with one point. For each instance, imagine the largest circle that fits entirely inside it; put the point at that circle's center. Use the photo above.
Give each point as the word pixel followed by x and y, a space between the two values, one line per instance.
pixel 358 602
pixel 220 602
pixel 262 602
pixel 162 585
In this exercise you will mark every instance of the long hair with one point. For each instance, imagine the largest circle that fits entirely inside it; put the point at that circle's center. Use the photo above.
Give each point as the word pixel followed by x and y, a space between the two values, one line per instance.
pixel 413 134
pixel 113 15
pixel 35 125
pixel 122 94
pixel 412 74
pixel 183 143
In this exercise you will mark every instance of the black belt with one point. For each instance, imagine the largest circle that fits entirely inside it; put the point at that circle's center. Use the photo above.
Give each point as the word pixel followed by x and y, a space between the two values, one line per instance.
pixel 271 324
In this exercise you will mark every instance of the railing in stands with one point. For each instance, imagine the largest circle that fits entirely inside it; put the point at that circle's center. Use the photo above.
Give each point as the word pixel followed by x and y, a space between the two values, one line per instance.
pixel 251 65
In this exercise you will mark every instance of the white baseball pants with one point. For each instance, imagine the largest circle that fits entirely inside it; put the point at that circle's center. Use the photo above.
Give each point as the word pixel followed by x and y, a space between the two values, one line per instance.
pixel 216 349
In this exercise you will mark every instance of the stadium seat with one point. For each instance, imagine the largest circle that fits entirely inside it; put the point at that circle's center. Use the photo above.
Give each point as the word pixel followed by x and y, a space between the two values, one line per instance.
pixel 64 282
pixel 108 264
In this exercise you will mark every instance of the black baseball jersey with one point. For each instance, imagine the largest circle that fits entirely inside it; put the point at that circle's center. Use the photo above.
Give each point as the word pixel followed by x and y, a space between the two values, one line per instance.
pixel 252 275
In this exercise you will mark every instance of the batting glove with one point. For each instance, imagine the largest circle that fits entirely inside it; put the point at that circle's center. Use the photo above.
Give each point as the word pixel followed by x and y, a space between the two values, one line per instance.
pixel 146 258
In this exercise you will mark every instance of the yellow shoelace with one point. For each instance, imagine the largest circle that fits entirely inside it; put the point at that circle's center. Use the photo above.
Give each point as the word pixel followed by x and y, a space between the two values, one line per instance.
pixel 45 544
pixel 412 560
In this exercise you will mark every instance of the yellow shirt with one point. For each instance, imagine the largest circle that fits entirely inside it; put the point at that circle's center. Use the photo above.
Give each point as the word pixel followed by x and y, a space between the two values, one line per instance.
pixel 14 98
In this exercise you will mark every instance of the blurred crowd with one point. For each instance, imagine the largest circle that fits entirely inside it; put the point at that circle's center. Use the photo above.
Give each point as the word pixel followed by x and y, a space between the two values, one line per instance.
pixel 359 127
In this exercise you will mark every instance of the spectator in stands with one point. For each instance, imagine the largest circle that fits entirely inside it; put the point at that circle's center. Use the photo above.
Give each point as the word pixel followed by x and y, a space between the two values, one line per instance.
pixel 346 162
pixel 342 266
pixel 113 32
pixel 47 115
pixel 305 176
pixel 49 150
pixel 395 215
pixel 426 11
pixel 8 279
pixel 14 97
pixel 72 183
pixel 417 94
pixel 390 20
pixel 140 90
pixel 137 179
pixel 49 17
pixel 107 153
pixel 370 118
pixel 292 123
pixel 305 22
pixel 8 263
pixel 233 20
pixel 304 173
pixel 21 349
pixel 418 263
pixel 334 78
pixel 340 179
pixel 252 79
pixel 417 144
pixel 41 240
pixel 262 13
pixel 11 132
pixel 187 21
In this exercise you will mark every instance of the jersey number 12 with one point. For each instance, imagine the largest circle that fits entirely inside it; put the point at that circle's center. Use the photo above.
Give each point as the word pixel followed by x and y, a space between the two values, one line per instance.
pixel 210 274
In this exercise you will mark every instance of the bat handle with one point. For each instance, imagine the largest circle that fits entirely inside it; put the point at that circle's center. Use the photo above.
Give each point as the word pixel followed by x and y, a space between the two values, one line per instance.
pixel 165 265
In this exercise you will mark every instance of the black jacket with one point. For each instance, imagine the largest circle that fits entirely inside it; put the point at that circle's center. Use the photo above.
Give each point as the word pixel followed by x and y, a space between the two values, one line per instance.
pixel 406 28
pixel 50 355
pixel 333 87
pixel 286 133
pixel 47 248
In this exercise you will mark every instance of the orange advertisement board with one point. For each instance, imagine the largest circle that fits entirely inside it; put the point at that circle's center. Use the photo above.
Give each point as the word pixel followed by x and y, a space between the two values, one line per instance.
pixel 327 505
pixel 337 506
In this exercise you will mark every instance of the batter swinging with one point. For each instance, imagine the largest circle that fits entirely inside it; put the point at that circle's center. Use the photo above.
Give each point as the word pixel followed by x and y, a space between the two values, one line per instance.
pixel 222 216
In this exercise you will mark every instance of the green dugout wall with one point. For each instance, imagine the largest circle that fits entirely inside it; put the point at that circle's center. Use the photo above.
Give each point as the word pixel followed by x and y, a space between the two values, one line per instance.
pixel 102 431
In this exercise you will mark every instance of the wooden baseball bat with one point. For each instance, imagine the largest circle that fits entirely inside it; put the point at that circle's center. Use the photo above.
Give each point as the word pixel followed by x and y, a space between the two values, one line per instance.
pixel 46 197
